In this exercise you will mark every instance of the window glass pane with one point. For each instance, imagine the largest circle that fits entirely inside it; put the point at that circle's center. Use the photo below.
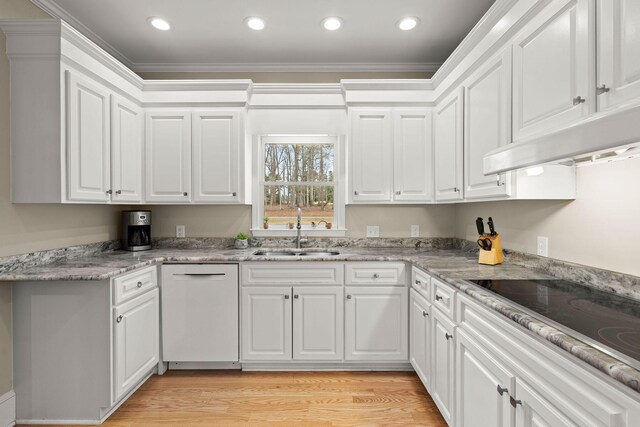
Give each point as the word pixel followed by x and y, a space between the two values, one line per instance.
pixel 281 204
pixel 298 162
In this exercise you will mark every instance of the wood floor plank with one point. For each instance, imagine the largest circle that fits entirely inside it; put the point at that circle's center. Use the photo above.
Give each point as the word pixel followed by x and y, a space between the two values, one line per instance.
pixel 282 399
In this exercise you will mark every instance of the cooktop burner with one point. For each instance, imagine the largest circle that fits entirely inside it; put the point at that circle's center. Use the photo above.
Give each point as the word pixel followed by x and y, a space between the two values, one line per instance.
pixel 601 317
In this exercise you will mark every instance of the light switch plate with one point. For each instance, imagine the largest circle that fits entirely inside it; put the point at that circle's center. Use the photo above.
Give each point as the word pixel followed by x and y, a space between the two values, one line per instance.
pixel 181 231
pixel 543 246
pixel 415 231
pixel 373 231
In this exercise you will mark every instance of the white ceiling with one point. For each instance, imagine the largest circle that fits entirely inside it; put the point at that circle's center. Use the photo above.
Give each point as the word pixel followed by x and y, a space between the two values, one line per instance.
pixel 210 34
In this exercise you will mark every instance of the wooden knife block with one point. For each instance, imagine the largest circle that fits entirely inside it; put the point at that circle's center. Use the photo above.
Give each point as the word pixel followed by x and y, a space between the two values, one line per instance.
pixel 495 255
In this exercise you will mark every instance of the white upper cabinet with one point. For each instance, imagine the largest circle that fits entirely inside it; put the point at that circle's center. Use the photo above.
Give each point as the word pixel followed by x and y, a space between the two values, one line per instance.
pixel 216 163
pixel 487 125
pixel 127 121
pixel 618 52
pixel 413 155
pixel 554 69
pixel 371 155
pixel 88 157
pixel 448 147
pixel 168 156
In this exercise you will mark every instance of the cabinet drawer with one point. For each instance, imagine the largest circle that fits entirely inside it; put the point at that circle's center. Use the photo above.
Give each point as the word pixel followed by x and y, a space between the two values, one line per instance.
pixel 443 297
pixel 421 282
pixel 292 273
pixel 376 273
pixel 133 284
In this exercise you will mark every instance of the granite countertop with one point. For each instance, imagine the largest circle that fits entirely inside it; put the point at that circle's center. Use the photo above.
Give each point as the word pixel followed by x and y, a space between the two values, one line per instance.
pixel 454 266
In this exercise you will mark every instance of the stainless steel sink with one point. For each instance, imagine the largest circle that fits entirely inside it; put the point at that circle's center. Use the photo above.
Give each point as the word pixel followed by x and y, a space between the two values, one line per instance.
pixel 289 253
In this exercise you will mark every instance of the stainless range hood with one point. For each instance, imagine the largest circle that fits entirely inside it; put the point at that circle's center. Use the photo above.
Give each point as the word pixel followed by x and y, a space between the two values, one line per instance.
pixel 601 135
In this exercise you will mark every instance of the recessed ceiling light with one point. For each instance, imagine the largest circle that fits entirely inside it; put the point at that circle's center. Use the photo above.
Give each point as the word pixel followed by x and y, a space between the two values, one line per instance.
pixel 408 23
pixel 159 23
pixel 255 23
pixel 331 23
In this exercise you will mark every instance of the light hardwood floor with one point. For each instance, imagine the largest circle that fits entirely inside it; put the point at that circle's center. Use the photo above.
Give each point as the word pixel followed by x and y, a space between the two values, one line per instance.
pixel 231 398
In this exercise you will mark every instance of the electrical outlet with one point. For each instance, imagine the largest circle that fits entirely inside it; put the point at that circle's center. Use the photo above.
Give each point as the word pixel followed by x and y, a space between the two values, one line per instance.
pixel 181 231
pixel 543 246
pixel 373 231
pixel 415 231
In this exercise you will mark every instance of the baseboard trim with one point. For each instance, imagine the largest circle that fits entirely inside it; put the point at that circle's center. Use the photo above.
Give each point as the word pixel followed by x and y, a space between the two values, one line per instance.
pixel 8 409
pixel 176 366
pixel 338 366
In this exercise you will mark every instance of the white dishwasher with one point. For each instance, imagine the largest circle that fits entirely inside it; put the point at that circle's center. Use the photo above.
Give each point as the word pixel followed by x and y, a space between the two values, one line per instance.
pixel 199 312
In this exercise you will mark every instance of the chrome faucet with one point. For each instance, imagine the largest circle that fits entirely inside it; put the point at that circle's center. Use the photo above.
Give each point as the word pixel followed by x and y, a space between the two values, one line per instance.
pixel 299 228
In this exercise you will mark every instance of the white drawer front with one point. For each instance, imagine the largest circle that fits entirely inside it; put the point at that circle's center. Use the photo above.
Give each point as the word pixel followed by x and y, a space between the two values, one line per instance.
pixel 443 297
pixel 292 273
pixel 421 282
pixel 133 284
pixel 376 273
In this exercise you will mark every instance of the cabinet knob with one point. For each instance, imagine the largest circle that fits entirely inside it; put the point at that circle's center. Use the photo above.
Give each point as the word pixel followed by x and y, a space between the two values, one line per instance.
pixel 234 194
pixel 139 284
pixel 578 100
pixel 376 275
pixel 514 402
pixel 119 319
pixel 602 89
pixel 119 192
pixel 286 297
pixel 296 296
pixel 109 191
pixel 185 194
pixel 438 297
pixel 448 336
pixel 418 282
pixel 425 314
pixel 398 193
pixel 456 190
pixel 348 296
pixel 502 390
pixel 355 193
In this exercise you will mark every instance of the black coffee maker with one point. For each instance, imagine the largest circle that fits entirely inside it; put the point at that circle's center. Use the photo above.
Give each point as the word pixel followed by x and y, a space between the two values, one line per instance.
pixel 136 230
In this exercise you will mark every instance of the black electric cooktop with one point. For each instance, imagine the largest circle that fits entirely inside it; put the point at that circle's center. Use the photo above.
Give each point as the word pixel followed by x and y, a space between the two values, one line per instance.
pixel 607 321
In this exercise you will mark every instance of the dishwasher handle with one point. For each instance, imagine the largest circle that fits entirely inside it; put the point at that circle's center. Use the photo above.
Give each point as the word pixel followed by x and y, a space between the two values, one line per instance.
pixel 200 274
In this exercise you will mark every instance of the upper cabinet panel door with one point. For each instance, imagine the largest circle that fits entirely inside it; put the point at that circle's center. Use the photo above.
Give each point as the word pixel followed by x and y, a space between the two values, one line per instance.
pixel 449 146
pixel 413 156
pixel 487 125
pixel 371 151
pixel 126 150
pixel 88 142
pixel 168 156
pixel 216 166
pixel 618 52
pixel 553 63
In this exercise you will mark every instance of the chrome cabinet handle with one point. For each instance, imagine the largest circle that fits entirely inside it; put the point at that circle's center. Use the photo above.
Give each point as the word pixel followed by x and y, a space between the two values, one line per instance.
pixel 456 190
pixel 578 100
pixel 502 391
pixel 295 296
pixel 109 191
pixel 602 89
pixel 139 284
pixel 119 319
pixel 418 282
pixel 448 336
pixel 119 192
pixel 425 314
pixel 376 275
pixel 438 298
pixel 286 297
pixel 348 296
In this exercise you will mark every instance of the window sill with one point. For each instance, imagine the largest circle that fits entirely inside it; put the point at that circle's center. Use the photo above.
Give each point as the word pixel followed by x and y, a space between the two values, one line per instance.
pixel 306 232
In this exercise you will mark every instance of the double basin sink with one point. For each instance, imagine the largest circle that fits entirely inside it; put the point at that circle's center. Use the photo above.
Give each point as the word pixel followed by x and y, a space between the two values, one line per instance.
pixel 295 253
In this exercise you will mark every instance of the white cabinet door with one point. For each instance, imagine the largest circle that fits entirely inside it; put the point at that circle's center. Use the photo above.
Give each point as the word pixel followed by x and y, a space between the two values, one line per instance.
pixel 448 151
pixel 487 126
pixel 376 323
pixel 266 323
pixel 483 386
pixel 443 369
pixel 136 345
pixel 618 52
pixel 553 69
pixel 413 156
pixel 126 150
pixel 88 142
pixel 532 409
pixel 371 155
pixel 318 323
pixel 216 164
pixel 420 337
pixel 168 156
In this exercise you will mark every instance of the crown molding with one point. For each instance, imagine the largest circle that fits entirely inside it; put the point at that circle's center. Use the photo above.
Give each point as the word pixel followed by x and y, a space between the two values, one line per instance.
pixel 285 67
pixel 41 27
pixel 386 84
pixel 57 12
pixel 297 88
pixel 197 85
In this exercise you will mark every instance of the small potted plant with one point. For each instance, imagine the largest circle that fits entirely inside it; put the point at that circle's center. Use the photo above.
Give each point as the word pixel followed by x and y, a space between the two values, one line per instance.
pixel 265 224
pixel 242 241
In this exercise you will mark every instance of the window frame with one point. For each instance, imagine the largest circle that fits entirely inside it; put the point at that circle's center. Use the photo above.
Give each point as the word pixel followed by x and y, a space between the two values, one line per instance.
pixel 258 187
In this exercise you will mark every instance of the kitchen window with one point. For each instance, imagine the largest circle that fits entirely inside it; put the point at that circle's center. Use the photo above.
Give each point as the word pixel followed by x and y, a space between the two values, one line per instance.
pixel 298 171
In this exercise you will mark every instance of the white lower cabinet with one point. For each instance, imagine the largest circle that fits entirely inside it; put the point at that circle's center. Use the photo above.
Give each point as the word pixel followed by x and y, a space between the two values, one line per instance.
pixel 376 323
pixel 266 323
pixel 318 323
pixel 135 338
pixel 532 409
pixel 420 337
pixel 443 365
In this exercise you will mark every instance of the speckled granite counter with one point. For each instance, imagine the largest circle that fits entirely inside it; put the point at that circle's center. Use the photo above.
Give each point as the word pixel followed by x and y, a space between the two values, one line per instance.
pixel 450 265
